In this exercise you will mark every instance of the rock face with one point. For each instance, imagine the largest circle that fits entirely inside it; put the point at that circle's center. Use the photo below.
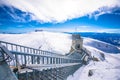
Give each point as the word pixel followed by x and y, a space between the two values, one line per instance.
pixel 90 73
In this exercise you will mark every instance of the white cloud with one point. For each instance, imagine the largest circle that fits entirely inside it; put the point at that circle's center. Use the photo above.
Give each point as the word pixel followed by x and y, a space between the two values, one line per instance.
pixel 61 10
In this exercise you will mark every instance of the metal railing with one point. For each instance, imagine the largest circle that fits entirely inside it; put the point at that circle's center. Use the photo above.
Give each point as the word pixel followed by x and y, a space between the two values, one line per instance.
pixel 27 56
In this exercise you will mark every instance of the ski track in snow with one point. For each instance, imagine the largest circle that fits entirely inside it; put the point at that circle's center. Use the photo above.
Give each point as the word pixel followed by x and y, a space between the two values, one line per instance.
pixel 109 69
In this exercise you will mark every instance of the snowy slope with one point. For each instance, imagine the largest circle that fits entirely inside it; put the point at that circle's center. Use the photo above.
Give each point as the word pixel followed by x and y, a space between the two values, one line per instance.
pixel 108 69
pixel 103 46
pixel 103 70
pixel 57 42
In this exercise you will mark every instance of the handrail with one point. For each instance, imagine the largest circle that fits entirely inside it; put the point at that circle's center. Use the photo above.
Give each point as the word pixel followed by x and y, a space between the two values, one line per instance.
pixel 30 51
pixel 26 48
pixel 27 55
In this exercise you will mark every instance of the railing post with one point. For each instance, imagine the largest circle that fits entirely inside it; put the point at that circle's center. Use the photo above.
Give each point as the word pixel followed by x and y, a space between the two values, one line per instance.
pixel 25 59
pixel 50 60
pixel 38 60
pixel 16 47
pixel 11 47
pixel 59 61
pixel 42 60
pixel 34 75
pixel 26 75
pixel 22 59
pixel 30 50
pixel 27 50
pixel 47 60
pixel 20 49
pixel 16 58
pixel 24 49
pixel 56 60
pixel 53 60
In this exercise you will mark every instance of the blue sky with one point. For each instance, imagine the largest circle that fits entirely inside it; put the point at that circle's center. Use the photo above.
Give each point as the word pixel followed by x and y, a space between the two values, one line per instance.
pixel 55 16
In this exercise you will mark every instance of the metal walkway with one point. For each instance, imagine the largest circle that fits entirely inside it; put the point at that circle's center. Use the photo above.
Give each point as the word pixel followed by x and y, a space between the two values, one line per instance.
pixel 35 64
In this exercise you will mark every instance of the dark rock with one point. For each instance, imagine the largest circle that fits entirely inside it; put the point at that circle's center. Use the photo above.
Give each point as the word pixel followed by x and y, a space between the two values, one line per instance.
pixel 90 73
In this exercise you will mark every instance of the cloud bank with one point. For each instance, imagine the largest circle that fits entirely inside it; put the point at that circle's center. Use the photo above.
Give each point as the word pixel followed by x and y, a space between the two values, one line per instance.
pixel 62 10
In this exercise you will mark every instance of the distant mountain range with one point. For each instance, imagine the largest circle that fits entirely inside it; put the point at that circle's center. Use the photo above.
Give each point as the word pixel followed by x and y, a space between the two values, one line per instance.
pixel 112 38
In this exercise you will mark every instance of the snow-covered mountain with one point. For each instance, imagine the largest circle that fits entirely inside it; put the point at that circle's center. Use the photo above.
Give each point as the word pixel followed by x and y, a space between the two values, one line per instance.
pixel 57 42
pixel 103 46
pixel 108 69
pixel 104 69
